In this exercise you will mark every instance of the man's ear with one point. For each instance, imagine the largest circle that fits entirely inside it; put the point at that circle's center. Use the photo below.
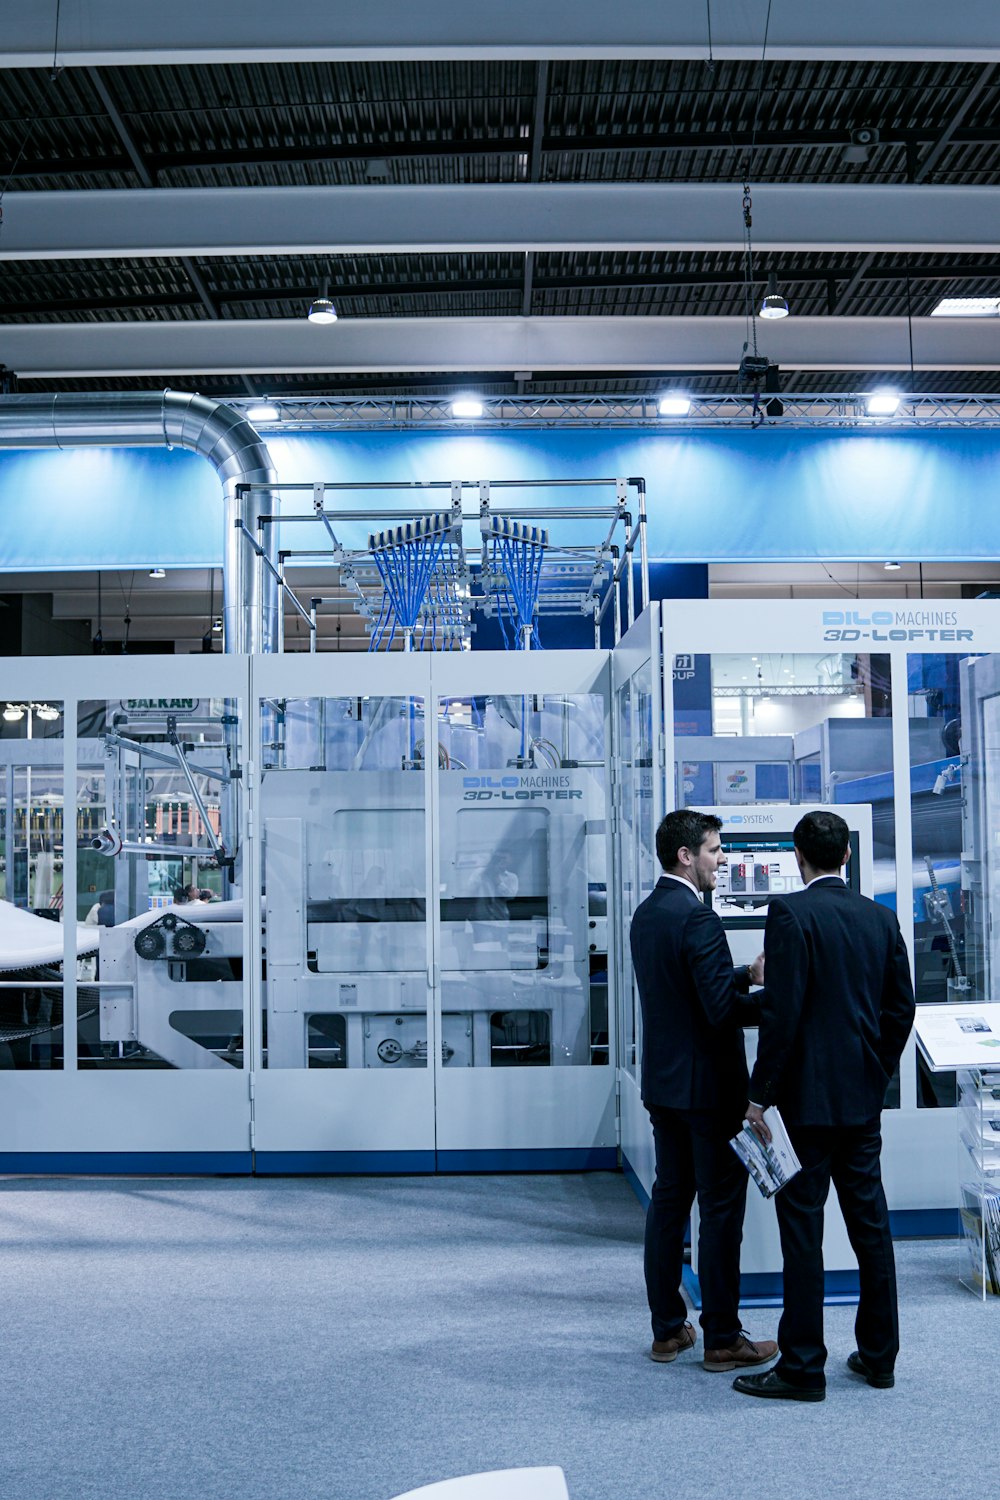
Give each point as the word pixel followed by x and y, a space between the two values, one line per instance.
pixel 847 855
pixel 684 856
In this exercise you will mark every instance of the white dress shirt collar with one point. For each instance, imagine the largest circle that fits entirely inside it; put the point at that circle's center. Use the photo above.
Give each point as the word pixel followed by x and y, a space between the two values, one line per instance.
pixel 679 879
pixel 824 877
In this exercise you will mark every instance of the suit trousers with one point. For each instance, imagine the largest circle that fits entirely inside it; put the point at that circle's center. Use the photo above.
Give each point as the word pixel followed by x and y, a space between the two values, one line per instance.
pixel 693 1156
pixel 849 1155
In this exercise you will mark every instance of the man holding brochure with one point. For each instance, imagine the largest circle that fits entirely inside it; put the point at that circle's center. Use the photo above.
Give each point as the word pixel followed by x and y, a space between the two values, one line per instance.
pixel 694 1079
pixel 834 1020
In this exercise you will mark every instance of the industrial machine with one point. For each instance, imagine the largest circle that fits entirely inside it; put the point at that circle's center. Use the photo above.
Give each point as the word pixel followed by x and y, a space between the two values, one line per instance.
pixel 519 939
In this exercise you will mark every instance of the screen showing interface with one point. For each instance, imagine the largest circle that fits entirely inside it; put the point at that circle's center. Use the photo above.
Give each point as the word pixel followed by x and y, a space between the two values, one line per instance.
pixel 756 870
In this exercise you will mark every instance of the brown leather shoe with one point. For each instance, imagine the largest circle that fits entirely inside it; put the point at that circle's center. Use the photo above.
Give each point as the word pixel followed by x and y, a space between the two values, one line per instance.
pixel 665 1351
pixel 740 1354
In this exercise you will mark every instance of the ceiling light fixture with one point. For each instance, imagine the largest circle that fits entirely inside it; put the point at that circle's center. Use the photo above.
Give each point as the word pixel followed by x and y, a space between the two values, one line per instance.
pixel 774 304
pixel 674 404
pixel 46 711
pixel 967 307
pixel 883 403
pixel 157 572
pixel 13 712
pixel 321 309
pixel 265 412
pixel 892 567
pixel 466 406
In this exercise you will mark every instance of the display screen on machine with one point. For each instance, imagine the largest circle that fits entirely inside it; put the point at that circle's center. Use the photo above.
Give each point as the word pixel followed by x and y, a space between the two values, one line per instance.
pixel 757 870
pixel 754 872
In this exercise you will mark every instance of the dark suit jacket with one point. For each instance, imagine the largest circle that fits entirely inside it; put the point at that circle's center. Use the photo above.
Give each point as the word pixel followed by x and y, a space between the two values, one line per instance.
pixel 692 1038
pixel 838 1006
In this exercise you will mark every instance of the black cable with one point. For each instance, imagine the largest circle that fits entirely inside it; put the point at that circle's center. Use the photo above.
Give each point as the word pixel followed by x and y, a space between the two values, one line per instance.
pixel 840 585
pixel 909 324
pixel 710 60
pixel 747 202
pixel 760 88
pixel 54 74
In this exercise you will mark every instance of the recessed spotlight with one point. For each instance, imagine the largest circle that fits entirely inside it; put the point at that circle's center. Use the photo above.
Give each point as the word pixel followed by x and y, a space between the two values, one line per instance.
pixel 674 404
pixel 157 572
pixel 265 412
pixel 883 403
pixel 466 406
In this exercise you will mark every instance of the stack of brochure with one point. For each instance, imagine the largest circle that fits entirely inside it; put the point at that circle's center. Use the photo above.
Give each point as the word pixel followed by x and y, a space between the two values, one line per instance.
pixel 772 1165
pixel 981 1222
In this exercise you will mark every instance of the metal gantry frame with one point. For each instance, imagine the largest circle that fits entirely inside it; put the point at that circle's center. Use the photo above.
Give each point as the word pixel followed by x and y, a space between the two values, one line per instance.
pixel 736 409
pixel 575 579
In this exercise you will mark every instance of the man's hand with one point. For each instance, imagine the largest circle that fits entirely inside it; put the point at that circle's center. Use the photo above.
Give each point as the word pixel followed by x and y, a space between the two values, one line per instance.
pixel 756 970
pixel 755 1119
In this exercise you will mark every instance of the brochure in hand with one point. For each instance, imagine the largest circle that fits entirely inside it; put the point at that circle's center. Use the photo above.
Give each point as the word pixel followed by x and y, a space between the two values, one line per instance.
pixel 770 1166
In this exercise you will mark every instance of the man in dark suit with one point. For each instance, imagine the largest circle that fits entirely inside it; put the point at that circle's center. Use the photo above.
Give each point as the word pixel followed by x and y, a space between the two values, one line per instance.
pixel 836 1015
pixel 694 1077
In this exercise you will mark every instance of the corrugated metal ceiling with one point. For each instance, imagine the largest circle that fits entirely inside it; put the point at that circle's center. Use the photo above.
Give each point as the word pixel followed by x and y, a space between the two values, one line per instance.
pixel 456 122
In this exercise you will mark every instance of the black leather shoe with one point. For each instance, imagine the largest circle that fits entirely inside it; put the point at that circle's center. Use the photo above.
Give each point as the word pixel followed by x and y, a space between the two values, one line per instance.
pixel 881 1380
pixel 772 1385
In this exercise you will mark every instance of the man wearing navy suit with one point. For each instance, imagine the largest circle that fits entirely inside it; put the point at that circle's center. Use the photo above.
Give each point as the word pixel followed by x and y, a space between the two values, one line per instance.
pixel 834 1021
pixel 694 1080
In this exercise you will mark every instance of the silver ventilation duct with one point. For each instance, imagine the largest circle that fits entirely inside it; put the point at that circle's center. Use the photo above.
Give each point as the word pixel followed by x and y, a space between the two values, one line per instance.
pixel 173 419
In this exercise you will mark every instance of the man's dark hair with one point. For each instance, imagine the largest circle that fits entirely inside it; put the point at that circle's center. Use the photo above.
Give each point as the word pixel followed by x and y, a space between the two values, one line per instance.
pixel 822 839
pixel 683 829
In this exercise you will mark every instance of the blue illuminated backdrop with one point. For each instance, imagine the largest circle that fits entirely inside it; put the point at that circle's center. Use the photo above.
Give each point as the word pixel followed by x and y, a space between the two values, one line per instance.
pixel 714 496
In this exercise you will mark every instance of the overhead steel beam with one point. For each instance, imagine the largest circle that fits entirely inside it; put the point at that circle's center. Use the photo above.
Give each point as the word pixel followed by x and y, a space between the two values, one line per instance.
pixel 294 346
pixel 524 216
pixel 121 32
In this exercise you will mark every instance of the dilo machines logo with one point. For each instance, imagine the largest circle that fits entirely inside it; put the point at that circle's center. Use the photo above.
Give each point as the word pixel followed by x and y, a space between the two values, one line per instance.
pixel 886 625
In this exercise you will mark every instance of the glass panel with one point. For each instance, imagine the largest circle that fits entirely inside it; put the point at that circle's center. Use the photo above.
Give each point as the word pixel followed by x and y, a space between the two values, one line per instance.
pixel 954 805
pixel 786 728
pixel 629 882
pixel 31 866
pixel 523 881
pixel 344 869
pixel 159 862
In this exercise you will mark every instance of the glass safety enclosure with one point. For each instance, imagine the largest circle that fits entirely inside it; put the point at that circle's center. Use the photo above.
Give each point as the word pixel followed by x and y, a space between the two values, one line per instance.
pixel 637 792
pixel 433 876
pixel 124 833
pixel 522 857
pixel 345 1028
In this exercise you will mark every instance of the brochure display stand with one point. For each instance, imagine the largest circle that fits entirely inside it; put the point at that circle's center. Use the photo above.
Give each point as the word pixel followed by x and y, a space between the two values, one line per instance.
pixel 967 1038
pixel 979 1179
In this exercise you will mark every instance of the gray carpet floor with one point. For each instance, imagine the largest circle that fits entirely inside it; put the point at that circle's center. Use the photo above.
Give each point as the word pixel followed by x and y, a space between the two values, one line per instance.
pixel 354 1338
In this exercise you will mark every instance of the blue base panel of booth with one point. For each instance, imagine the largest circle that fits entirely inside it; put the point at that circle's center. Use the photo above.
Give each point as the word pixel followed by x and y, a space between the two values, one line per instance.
pixel 764 1288
pixel 342 1163
pixel 127 1163
pixel 383 1163
pixel 302 1163
pixel 924 1223
pixel 568 1159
